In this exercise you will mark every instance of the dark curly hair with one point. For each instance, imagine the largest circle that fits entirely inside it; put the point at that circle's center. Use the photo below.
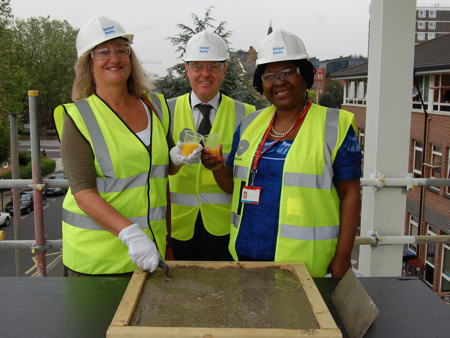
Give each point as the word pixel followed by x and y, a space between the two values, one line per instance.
pixel 306 69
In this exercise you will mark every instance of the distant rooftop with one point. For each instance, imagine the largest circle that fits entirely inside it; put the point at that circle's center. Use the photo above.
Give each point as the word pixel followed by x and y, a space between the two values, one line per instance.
pixel 428 56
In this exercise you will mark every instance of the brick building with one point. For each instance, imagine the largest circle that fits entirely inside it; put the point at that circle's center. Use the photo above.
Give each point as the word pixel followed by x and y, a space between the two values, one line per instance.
pixel 429 137
pixel 431 22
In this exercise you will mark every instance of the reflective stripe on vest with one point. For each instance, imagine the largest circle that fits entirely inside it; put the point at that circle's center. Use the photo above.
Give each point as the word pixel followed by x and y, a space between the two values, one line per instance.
pixel 235 219
pixel 107 184
pixel 324 181
pixel 309 233
pixel 98 141
pixel 157 105
pixel 239 109
pixel 172 103
pixel 240 172
pixel 86 222
pixel 249 119
pixel 191 200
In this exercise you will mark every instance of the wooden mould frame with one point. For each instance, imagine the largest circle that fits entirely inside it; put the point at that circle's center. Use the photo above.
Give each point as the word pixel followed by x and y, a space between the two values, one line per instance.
pixel 119 327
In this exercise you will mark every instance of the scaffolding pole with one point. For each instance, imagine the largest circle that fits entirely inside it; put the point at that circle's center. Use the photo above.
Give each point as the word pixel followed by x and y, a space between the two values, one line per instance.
pixel 40 248
pixel 388 119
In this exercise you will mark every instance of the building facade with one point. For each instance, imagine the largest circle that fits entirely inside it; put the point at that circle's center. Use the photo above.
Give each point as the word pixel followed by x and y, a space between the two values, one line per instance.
pixel 431 22
pixel 428 208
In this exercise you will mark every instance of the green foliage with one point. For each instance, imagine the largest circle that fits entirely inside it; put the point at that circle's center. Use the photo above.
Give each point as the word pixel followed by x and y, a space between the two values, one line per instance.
pixel 7 71
pixel 172 86
pixel 48 166
pixel 332 96
pixel 4 143
pixel 312 95
pixel 36 53
pixel 45 50
pixel 24 157
pixel 235 84
pixel 200 24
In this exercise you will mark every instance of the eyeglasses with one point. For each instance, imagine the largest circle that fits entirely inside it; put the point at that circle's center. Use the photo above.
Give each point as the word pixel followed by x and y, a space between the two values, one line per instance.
pixel 213 67
pixel 283 75
pixel 105 53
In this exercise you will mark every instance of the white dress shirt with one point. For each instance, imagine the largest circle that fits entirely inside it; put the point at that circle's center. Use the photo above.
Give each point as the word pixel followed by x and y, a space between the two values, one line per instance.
pixel 214 102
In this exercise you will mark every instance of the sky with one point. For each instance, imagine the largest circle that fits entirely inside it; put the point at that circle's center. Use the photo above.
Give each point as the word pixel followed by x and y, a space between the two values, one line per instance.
pixel 328 28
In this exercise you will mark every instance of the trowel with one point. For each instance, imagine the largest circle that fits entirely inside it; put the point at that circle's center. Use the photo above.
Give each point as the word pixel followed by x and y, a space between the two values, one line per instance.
pixel 163 266
pixel 354 305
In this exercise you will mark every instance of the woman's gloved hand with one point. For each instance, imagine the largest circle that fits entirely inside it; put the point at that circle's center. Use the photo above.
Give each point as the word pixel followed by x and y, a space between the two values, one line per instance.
pixel 178 159
pixel 141 249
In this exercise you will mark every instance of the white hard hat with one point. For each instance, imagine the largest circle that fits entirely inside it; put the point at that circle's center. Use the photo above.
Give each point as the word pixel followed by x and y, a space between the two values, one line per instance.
pixel 280 46
pixel 205 46
pixel 97 30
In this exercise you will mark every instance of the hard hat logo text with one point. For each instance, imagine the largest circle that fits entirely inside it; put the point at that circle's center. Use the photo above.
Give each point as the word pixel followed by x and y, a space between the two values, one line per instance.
pixel 109 30
pixel 203 49
pixel 277 50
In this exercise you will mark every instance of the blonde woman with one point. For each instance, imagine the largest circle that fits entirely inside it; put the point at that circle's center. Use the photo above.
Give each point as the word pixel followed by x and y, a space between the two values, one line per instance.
pixel 116 158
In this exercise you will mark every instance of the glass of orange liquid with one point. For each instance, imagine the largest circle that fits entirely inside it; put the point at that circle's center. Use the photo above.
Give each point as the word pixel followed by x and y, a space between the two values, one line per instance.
pixel 190 143
pixel 211 143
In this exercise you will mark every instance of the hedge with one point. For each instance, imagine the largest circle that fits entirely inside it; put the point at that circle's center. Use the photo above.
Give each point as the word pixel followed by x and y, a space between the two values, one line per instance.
pixel 48 166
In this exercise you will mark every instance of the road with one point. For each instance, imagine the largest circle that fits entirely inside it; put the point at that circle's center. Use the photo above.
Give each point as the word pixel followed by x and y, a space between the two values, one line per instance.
pixel 52 226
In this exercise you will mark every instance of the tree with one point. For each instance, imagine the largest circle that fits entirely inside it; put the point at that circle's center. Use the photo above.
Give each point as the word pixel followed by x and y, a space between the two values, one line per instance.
pixel 6 18
pixel 45 51
pixel 10 75
pixel 235 84
pixel 332 96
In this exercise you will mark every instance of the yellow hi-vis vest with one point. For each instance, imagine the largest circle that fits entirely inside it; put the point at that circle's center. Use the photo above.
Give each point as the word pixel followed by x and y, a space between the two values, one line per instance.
pixel 194 188
pixel 309 217
pixel 132 179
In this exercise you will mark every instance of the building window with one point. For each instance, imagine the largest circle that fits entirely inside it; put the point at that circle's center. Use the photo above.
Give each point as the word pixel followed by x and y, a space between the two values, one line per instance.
pixel 431 36
pixel 423 82
pixel 422 13
pixel 421 36
pixel 413 231
pixel 351 90
pixel 421 24
pixel 432 14
pixel 445 88
pixel 417 160
pixel 445 280
pixel 360 93
pixel 431 24
pixel 430 256
pixel 436 163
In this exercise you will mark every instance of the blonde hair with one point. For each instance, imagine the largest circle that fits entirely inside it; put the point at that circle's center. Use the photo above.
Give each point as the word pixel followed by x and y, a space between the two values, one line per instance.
pixel 84 83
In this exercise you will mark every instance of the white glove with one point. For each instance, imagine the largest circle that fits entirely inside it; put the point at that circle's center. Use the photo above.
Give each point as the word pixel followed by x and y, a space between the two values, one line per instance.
pixel 141 249
pixel 178 159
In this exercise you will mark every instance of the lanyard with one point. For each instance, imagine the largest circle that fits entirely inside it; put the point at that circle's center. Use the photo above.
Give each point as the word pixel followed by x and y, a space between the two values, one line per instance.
pixel 260 152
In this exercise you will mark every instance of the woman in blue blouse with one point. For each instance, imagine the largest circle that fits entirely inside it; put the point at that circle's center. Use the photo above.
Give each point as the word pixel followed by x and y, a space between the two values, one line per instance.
pixel 294 169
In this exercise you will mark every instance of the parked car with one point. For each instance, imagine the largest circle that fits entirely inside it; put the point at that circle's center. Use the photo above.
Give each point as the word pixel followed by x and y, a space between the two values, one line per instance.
pixel 5 218
pixel 26 203
pixel 55 191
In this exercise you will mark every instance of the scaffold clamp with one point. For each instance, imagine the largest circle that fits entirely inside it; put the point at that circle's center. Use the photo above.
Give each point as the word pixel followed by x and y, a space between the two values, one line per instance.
pixel 36 247
pixel 37 186
pixel 376 237
pixel 410 186
pixel 379 180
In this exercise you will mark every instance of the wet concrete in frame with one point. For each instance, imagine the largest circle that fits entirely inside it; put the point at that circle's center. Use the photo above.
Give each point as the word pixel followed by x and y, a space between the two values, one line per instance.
pixel 227 297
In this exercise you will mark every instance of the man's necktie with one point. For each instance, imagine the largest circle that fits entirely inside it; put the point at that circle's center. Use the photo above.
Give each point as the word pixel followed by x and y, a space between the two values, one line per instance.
pixel 205 124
